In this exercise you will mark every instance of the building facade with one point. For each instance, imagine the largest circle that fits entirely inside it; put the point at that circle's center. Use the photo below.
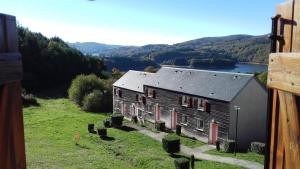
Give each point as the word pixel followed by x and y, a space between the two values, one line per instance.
pixel 202 102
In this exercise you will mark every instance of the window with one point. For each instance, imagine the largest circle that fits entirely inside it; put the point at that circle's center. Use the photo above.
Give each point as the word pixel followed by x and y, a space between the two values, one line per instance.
pixel 184 119
pixel 140 113
pixel 200 124
pixel 149 109
pixel 186 101
pixel 118 92
pixel 200 104
pixel 151 93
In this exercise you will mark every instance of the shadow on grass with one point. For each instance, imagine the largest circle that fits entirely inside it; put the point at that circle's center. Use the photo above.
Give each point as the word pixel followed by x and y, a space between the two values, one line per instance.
pixel 182 156
pixel 107 138
pixel 126 128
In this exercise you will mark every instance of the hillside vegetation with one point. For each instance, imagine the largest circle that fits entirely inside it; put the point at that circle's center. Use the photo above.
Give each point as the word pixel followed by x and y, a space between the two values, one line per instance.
pixel 212 50
pixel 50 63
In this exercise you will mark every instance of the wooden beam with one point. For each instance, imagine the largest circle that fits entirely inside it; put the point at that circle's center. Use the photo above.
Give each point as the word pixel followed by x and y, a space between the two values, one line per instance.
pixel 296 28
pixel 284 72
pixel 291 133
pixel 274 130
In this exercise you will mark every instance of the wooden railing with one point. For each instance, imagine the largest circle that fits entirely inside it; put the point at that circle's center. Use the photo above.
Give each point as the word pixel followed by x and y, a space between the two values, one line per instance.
pixel 12 148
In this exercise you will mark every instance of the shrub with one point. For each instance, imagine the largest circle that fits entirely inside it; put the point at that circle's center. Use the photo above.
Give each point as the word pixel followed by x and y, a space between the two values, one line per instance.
pixel 229 146
pixel 107 123
pixel 178 129
pixel 160 125
pixel 102 132
pixel 91 127
pixel 218 145
pixel 83 85
pixel 29 100
pixel 134 119
pixel 92 102
pixel 171 144
pixel 182 163
pixel 117 120
pixel 258 147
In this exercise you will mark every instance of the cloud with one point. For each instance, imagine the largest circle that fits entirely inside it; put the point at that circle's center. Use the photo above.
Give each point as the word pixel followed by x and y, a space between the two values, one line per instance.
pixel 80 33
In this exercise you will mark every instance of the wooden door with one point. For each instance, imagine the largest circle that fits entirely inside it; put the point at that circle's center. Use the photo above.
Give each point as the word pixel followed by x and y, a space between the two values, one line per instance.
pixel 213 132
pixel 157 113
pixel 284 84
pixel 173 119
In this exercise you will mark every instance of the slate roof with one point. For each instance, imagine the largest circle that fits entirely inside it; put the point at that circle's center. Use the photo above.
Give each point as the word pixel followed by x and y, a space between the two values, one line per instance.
pixel 210 84
pixel 134 80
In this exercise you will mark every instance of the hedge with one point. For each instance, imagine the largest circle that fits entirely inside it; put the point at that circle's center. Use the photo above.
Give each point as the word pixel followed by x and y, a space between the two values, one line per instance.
pixel 258 147
pixel 229 146
pixel 107 123
pixel 182 163
pixel 171 144
pixel 117 120
pixel 102 132
pixel 160 125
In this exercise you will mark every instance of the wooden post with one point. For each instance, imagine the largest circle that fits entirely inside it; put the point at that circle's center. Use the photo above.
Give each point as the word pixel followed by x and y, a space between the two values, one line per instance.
pixel 12 146
pixel 284 80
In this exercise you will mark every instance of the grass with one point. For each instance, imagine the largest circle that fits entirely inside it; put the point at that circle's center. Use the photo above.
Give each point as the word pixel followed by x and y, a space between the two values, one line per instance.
pixel 250 156
pixel 189 142
pixel 50 130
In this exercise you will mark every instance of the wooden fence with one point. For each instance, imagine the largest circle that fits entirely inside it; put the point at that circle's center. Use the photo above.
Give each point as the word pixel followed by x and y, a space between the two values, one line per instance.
pixel 12 148
pixel 284 84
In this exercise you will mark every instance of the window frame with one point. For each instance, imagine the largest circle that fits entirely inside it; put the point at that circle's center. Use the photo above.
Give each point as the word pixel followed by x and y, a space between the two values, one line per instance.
pixel 203 104
pixel 198 121
pixel 185 123
pixel 185 98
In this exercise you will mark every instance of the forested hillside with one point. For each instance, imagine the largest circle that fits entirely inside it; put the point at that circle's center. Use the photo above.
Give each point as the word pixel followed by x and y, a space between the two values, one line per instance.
pixel 51 63
pixel 213 50
pixel 92 48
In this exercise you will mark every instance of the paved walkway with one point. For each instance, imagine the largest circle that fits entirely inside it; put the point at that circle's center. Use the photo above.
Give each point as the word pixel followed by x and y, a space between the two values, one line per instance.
pixel 199 151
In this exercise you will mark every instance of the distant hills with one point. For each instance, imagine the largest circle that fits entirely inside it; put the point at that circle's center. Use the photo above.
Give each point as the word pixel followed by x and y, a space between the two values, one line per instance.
pixel 92 48
pixel 210 51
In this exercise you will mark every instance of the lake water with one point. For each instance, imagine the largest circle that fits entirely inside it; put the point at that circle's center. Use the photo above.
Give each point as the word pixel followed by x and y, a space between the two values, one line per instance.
pixel 239 68
pixel 245 68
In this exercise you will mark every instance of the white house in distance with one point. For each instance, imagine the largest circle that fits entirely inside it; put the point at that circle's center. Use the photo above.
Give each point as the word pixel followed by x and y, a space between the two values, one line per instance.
pixel 202 102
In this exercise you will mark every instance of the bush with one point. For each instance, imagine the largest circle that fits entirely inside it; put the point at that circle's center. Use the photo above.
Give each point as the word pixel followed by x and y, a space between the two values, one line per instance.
pixel 83 85
pixel 91 127
pixel 160 125
pixel 171 144
pixel 102 132
pixel 107 123
pixel 229 146
pixel 178 129
pixel 182 163
pixel 117 120
pixel 134 119
pixel 258 147
pixel 29 100
pixel 92 102
pixel 218 145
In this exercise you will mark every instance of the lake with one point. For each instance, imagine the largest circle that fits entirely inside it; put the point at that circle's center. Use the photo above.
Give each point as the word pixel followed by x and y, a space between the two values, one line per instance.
pixel 245 68
pixel 239 68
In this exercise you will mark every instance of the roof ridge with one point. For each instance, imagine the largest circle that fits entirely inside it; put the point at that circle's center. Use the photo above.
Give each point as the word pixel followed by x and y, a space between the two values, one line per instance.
pixel 203 70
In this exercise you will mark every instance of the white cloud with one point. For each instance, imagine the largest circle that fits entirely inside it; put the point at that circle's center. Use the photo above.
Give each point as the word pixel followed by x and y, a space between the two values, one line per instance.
pixel 81 33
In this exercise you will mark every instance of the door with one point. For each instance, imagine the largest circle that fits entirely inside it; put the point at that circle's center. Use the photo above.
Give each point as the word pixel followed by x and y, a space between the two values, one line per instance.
pixel 157 113
pixel 213 132
pixel 173 119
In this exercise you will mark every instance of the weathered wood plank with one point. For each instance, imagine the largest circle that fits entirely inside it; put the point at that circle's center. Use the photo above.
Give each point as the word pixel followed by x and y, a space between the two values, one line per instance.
pixel 285 25
pixel 274 129
pixel 284 72
pixel 296 28
pixel 290 124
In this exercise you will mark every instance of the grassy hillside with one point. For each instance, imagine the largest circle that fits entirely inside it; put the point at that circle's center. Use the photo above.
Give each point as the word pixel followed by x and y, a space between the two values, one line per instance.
pixel 49 134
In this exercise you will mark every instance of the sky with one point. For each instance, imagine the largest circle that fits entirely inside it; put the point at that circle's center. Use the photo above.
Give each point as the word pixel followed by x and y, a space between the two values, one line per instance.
pixel 141 22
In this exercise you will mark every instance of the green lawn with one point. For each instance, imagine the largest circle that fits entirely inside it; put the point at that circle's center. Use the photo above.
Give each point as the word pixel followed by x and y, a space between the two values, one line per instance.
pixel 50 131
pixel 189 142
pixel 244 156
